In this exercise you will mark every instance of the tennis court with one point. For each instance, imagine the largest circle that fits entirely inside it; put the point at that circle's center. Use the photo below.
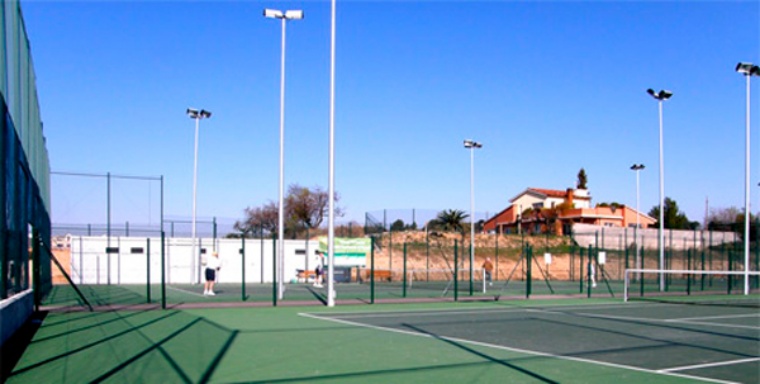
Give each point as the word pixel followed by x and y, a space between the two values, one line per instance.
pixel 558 341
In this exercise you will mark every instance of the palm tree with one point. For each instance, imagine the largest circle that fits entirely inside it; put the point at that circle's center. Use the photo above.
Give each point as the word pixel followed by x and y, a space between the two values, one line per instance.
pixel 450 220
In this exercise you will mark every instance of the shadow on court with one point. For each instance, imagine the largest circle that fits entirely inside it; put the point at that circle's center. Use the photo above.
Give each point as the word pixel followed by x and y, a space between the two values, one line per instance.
pixel 148 346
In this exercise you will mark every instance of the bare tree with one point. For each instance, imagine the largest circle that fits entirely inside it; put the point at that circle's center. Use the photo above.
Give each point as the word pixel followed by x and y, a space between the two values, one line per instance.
pixel 259 218
pixel 304 209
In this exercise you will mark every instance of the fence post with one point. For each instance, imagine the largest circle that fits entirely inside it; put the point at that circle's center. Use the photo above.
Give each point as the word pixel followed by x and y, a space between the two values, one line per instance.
pixel 456 270
pixel 529 278
pixel 588 273
pixel 404 277
pixel 372 269
pixel 163 270
pixel 274 269
pixel 242 267
pixel 427 255
pixel 147 254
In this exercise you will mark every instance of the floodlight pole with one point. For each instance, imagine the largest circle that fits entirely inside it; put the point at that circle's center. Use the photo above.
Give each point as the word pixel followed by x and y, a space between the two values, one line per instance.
pixel 331 172
pixel 284 17
pixel 660 97
pixel 197 116
pixel 748 70
pixel 472 145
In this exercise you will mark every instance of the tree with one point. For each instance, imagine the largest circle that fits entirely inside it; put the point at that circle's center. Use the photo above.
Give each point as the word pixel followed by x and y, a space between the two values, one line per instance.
pixel 304 209
pixel 450 220
pixel 259 219
pixel 582 179
pixel 398 225
pixel 673 217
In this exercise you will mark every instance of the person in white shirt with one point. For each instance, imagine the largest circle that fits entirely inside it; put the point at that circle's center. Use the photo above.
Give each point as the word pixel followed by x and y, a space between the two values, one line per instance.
pixel 213 264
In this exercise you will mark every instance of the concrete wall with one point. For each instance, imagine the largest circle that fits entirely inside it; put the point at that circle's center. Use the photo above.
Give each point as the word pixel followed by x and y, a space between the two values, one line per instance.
pixel 14 311
pixel 617 238
pixel 90 264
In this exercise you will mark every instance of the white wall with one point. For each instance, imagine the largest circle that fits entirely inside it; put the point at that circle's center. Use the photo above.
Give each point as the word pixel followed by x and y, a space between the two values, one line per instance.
pixel 620 238
pixel 90 263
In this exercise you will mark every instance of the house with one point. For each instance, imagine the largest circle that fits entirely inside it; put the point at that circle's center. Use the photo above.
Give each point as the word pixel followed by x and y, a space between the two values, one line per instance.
pixel 538 210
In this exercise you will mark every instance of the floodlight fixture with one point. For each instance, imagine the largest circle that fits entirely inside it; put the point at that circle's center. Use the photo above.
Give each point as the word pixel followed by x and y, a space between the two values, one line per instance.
pixel 294 14
pixel 472 144
pixel 637 167
pixel 196 114
pixel 748 69
pixel 661 95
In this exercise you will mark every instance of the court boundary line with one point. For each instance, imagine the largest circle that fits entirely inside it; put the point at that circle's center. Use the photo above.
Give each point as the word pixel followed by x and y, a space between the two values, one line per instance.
pixel 643 319
pixel 428 311
pixel 518 350
pixel 185 291
pixel 709 365
pixel 715 317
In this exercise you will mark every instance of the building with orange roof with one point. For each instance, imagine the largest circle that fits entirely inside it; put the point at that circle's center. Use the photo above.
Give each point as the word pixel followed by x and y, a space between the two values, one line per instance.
pixel 538 210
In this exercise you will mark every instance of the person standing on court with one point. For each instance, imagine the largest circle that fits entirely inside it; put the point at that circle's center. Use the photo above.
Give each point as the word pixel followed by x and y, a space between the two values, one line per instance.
pixel 318 271
pixel 488 268
pixel 213 264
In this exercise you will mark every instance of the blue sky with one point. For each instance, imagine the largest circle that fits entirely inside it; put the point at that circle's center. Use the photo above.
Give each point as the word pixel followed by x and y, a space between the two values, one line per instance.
pixel 547 86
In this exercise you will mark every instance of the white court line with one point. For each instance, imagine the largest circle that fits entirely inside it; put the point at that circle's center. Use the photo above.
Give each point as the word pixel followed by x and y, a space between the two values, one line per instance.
pixel 708 365
pixel 715 317
pixel 185 291
pixel 715 324
pixel 427 312
pixel 524 351
pixel 648 320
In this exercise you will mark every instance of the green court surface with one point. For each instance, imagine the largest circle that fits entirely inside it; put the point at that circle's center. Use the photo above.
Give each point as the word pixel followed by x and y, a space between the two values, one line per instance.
pixel 557 341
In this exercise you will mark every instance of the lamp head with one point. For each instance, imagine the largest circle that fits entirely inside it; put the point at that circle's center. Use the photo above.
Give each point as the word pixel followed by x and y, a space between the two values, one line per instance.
pixel 661 96
pixel 637 167
pixel 273 13
pixel 295 14
pixel 196 114
pixel 472 144
pixel 748 69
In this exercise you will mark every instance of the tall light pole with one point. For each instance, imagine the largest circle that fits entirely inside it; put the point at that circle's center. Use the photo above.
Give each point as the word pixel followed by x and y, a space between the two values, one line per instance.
pixel 637 168
pixel 472 145
pixel 283 16
pixel 197 115
pixel 331 170
pixel 660 97
pixel 748 70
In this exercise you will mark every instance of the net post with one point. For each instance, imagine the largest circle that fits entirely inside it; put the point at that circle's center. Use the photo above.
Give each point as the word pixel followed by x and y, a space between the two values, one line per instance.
pixel 372 270
pixel 404 277
pixel 688 275
pixel 456 270
pixel 147 255
pixel 163 270
pixel 483 278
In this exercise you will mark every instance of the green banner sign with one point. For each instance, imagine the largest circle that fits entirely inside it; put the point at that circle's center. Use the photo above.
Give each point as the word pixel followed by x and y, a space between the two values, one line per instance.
pixel 348 251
